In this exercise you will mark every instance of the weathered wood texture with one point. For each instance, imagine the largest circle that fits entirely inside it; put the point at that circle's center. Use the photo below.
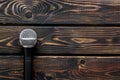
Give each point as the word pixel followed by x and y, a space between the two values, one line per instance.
pixel 64 40
pixel 62 68
pixel 60 11
pixel 11 68
pixel 76 68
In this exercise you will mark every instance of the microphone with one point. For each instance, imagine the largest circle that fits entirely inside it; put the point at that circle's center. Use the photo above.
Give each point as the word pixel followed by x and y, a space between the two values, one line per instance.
pixel 28 39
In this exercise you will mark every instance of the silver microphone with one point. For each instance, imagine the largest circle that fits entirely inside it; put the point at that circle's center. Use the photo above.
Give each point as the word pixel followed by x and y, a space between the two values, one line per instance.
pixel 28 39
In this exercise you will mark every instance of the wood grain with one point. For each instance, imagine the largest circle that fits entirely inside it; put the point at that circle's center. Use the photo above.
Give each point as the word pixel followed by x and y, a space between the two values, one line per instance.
pixel 64 40
pixel 11 68
pixel 76 68
pixel 60 11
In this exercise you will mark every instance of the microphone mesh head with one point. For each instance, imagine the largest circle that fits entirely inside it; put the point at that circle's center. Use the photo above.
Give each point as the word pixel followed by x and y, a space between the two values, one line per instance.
pixel 28 38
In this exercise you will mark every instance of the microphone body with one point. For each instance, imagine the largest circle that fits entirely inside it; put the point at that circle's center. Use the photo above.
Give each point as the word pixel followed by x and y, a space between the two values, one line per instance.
pixel 28 39
pixel 28 64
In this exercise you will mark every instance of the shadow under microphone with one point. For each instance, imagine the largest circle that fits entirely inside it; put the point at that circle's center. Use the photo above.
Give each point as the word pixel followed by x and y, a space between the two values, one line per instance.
pixel 28 39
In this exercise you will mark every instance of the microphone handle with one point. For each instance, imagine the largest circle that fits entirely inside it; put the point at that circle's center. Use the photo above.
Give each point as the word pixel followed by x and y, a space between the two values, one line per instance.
pixel 28 64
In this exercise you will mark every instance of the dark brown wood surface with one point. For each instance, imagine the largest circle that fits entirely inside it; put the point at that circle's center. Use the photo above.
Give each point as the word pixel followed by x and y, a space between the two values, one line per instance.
pixel 64 40
pixel 11 68
pixel 76 68
pixel 60 11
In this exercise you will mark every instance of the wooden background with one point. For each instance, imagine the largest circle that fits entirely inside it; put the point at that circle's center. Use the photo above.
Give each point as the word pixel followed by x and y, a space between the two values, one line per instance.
pixel 62 68
pixel 76 68
pixel 60 11
pixel 64 40
pixel 11 68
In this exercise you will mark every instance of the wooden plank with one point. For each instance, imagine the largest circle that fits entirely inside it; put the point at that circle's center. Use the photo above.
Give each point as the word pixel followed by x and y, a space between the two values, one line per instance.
pixel 64 40
pixel 11 68
pixel 84 40
pixel 76 68
pixel 60 11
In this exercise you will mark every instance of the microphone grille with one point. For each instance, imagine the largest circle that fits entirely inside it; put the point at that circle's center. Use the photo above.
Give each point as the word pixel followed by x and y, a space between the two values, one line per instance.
pixel 28 38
